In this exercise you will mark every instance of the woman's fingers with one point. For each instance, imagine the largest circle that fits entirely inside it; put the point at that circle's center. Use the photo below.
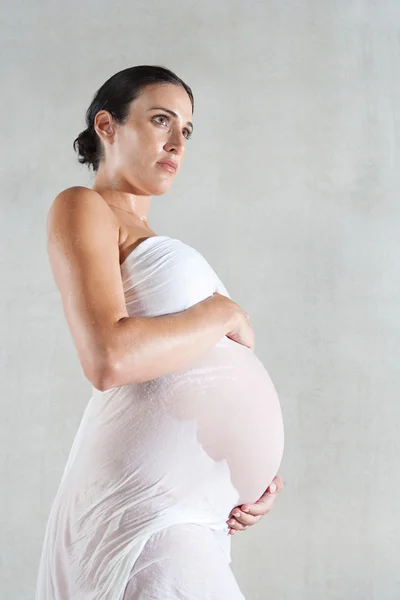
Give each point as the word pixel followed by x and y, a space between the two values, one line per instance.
pixel 246 515
pixel 265 503
pixel 237 527
pixel 243 518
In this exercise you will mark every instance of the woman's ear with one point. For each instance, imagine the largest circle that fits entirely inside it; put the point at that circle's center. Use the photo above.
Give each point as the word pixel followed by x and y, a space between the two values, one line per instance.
pixel 104 125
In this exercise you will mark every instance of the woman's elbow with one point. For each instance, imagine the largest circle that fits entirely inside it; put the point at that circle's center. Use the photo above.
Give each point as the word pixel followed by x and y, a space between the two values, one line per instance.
pixel 100 373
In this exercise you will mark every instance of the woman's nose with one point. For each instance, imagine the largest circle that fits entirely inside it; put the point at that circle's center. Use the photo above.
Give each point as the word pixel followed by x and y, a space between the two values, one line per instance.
pixel 176 142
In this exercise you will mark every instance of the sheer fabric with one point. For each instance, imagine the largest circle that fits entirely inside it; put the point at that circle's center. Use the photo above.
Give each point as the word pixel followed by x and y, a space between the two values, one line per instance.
pixel 156 467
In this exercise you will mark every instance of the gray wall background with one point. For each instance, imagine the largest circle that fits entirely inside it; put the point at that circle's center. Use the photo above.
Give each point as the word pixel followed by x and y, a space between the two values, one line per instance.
pixel 290 190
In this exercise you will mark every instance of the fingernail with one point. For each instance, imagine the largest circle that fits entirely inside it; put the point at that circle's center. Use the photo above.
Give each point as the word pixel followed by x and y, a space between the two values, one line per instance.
pixel 236 513
pixel 272 488
pixel 246 510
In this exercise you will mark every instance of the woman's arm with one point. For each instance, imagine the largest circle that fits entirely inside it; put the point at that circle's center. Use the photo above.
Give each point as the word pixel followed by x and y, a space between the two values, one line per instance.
pixel 148 347
pixel 113 348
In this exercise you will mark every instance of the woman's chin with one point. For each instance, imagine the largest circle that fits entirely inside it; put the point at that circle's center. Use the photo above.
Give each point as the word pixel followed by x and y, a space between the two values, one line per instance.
pixel 161 187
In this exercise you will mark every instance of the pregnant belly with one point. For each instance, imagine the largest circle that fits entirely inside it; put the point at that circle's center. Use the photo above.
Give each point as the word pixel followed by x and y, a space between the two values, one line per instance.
pixel 229 398
pixel 212 432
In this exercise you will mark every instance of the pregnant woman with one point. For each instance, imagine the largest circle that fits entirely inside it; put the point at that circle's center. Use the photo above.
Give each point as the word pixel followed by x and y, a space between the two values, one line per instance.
pixel 184 422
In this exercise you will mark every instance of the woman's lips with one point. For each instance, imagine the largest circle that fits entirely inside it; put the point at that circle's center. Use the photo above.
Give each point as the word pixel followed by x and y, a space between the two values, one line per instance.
pixel 167 167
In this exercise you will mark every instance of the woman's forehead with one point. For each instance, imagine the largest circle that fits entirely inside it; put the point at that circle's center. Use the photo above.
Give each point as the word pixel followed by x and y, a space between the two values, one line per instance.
pixel 165 96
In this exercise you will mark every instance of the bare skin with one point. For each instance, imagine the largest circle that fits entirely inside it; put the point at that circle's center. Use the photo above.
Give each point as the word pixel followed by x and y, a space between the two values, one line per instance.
pixel 246 515
pixel 85 259
pixel 129 176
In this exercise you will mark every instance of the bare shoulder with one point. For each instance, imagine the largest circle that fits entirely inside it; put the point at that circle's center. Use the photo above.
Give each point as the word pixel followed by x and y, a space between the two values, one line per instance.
pixel 83 250
pixel 79 209
pixel 80 198
pixel 81 228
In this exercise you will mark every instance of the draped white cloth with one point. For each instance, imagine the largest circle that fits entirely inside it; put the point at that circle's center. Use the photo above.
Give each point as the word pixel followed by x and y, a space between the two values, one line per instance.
pixel 156 467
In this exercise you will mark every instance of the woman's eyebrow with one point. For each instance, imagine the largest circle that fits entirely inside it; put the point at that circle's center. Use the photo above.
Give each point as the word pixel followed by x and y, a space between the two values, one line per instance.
pixel 171 112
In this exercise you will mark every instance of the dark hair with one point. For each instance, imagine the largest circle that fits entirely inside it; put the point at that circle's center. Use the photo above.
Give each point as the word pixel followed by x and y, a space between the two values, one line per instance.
pixel 115 96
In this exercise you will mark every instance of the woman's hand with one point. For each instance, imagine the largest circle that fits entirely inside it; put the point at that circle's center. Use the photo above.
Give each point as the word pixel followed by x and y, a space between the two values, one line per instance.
pixel 239 328
pixel 250 514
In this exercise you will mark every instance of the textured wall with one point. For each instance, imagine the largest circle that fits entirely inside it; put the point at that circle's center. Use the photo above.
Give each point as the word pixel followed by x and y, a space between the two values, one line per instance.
pixel 289 189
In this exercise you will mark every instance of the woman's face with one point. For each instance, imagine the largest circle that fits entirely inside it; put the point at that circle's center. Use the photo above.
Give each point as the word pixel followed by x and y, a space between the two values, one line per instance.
pixel 150 134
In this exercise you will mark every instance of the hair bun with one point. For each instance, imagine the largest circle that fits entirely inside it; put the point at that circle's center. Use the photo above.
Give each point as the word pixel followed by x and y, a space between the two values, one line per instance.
pixel 86 146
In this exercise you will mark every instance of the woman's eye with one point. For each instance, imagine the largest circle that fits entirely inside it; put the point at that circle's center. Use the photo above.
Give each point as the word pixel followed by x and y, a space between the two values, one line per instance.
pixel 188 133
pixel 162 117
